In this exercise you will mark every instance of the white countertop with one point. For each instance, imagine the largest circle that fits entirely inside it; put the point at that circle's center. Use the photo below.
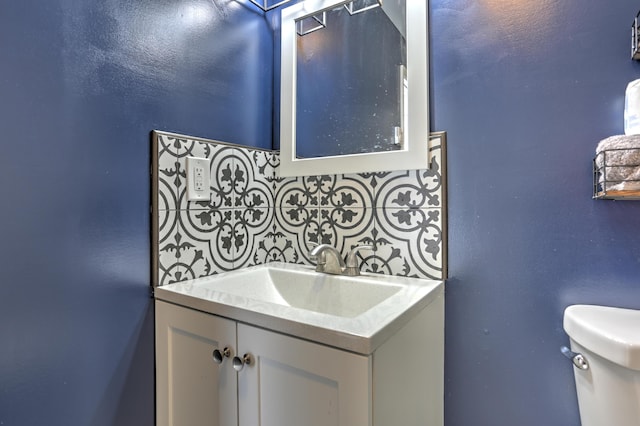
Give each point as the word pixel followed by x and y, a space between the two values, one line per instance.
pixel 361 334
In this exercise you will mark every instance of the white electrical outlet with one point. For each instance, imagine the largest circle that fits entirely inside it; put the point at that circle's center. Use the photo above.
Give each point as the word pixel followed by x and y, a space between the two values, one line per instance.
pixel 198 177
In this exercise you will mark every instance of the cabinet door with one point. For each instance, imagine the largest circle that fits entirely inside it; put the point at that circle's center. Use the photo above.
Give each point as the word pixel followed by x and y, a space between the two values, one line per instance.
pixel 292 382
pixel 191 389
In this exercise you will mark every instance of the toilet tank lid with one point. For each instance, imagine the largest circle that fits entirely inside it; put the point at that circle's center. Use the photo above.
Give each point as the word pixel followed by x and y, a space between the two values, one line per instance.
pixel 612 333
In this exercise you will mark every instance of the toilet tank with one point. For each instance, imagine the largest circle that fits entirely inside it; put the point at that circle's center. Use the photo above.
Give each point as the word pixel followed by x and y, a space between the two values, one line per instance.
pixel 609 338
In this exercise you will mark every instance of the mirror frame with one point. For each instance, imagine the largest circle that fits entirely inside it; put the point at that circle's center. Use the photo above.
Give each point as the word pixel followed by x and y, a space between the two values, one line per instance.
pixel 414 154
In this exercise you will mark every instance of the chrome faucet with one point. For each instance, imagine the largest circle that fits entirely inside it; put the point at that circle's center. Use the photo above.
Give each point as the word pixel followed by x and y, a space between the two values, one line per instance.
pixel 332 264
pixel 329 260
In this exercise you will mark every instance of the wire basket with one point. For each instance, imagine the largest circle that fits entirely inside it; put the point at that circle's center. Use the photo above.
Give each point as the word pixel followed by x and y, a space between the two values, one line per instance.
pixel 616 174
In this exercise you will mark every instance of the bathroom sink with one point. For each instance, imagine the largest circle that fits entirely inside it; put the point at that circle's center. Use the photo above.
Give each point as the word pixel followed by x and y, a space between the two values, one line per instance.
pixel 304 289
pixel 353 313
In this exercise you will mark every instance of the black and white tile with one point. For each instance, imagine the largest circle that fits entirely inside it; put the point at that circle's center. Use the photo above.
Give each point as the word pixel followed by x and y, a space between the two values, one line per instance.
pixel 227 232
pixel 409 221
pixel 253 193
pixel 297 217
pixel 253 183
pixel 254 216
pixel 408 242
pixel 277 245
pixel 412 188
pixel 250 227
pixel 167 247
pixel 209 242
pixel 346 210
pixel 168 173
pixel 221 158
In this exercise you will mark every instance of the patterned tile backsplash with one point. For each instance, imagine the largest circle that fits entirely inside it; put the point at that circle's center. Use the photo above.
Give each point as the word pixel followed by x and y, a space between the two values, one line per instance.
pixel 255 217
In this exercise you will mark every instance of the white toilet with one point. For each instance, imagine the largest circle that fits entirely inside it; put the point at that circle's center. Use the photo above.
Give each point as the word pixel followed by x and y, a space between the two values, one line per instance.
pixel 605 348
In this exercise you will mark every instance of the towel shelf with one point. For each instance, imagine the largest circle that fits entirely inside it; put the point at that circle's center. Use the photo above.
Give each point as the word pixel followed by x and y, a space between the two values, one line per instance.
pixel 617 195
pixel 614 176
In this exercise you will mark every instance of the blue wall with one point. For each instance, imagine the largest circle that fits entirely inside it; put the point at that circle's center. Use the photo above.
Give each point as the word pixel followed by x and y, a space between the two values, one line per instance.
pixel 525 90
pixel 82 84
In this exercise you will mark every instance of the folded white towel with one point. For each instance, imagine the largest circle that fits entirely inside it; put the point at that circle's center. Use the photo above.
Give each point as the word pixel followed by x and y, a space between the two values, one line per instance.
pixel 621 155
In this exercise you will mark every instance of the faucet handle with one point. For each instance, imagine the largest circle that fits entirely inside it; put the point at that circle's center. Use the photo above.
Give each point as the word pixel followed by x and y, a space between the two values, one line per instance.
pixel 311 253
pixel 318 256
pixel 352 267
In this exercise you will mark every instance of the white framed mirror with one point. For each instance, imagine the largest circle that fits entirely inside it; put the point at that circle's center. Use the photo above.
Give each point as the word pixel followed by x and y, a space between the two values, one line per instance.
pixel 354 86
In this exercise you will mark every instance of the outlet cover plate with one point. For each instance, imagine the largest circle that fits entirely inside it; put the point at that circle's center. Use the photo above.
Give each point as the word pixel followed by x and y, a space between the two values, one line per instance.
pixel 198 179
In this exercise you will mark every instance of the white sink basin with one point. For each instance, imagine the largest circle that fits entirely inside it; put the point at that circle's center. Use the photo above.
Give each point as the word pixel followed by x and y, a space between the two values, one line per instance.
pixel 303 289
pixel 353 313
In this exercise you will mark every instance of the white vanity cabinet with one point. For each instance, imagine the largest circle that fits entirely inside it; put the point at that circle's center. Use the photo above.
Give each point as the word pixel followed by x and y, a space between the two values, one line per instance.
pixel 191 389
pixel 289 381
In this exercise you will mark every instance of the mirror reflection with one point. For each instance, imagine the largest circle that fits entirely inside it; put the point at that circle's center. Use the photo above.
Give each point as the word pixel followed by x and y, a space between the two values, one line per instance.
pixel 351 79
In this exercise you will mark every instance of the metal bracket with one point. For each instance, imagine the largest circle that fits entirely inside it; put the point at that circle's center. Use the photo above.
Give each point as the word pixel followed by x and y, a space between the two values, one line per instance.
pixel 635 38
pixel 265 7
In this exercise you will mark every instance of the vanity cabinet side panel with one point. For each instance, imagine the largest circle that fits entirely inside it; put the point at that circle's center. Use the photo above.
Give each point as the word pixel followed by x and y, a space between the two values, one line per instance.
pixel 294 382
pixel 408 372
pixel 191 389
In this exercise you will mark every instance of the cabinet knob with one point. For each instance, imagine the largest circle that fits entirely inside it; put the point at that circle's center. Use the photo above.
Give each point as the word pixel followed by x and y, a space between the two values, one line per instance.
pixel 239 363
pixel 219 356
